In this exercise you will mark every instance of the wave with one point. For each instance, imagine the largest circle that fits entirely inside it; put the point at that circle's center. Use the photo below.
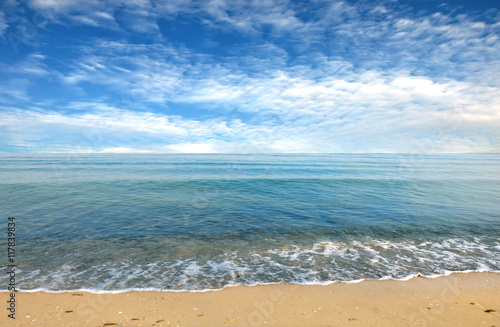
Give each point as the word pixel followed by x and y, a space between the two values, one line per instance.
pixel 319 263
pixel 98 291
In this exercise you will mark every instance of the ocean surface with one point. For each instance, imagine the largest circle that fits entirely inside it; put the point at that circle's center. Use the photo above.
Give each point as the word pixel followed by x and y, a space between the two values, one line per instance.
pixel 198 222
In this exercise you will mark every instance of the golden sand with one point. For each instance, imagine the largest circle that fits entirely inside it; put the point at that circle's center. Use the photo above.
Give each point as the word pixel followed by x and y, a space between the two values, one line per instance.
pixel 471 299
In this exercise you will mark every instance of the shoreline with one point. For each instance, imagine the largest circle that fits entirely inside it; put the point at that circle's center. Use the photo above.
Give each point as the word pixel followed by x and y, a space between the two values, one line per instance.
pixel 97 291
pixel 472 299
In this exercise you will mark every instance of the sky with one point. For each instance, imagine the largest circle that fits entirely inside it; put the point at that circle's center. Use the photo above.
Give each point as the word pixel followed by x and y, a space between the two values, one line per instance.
pixel 249 76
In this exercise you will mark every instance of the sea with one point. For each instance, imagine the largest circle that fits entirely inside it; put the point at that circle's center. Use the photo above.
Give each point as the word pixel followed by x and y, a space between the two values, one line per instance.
pixel 198 222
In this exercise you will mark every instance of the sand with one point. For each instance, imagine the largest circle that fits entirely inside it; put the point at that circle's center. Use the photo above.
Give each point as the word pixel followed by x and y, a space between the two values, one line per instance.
pixel 471 299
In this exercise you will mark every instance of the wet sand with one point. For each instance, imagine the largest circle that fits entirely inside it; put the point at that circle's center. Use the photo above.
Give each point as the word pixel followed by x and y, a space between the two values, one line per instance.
pixel 471 299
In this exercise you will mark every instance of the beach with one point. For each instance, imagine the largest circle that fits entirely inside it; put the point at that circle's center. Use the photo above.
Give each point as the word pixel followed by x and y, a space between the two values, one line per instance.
pixel 250 163
pixel 264 240
pixel 464 299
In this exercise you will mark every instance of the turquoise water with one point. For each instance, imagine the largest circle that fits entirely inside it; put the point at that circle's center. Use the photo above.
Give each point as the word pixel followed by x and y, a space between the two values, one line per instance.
pixel 196 222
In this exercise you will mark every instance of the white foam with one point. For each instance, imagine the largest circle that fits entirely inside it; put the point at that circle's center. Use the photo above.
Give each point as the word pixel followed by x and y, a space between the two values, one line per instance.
pixel 320 263
pixel 152 289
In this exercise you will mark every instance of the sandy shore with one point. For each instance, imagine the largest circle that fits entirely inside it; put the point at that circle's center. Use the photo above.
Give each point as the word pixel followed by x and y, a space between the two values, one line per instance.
pixel 458 300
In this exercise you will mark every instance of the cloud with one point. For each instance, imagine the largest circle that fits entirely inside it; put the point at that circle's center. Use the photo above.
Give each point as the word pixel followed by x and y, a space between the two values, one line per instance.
pixel 32 65
pixel 290 92
pixel 136 16
pixel 371 35
pixel 389 113
pixel 254 15
pixel 19 77
pixel 3 24
pixel 110 125
pixel 14 89
pixel 322 77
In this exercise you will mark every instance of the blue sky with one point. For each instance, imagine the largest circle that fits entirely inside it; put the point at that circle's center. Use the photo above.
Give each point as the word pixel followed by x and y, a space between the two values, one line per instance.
pixel 231 76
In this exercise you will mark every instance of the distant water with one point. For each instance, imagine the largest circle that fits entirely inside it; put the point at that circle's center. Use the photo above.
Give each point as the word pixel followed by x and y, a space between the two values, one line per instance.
pixel 197 222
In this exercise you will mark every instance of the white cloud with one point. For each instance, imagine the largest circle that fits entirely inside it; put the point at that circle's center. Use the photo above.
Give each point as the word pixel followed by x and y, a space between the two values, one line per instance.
pixel 3 24
pixel 14 89
pixel 31 66
pixel 371 33
pixel 369 109
pixel 405 81
pixel 19 77
pixel 190 148
pixel 137 16
pixel 123 150
pixel 376 112
pixel 96 19
pixel 253 15
pixel 142 16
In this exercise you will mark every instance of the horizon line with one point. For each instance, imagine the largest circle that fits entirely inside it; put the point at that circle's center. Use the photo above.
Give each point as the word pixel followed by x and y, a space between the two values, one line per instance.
pixel 246 153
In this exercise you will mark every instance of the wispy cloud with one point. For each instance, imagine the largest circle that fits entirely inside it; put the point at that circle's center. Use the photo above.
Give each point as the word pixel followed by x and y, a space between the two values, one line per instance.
pixel 3 24
pixel 277 76
pixel 136 16
pixel 382 113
